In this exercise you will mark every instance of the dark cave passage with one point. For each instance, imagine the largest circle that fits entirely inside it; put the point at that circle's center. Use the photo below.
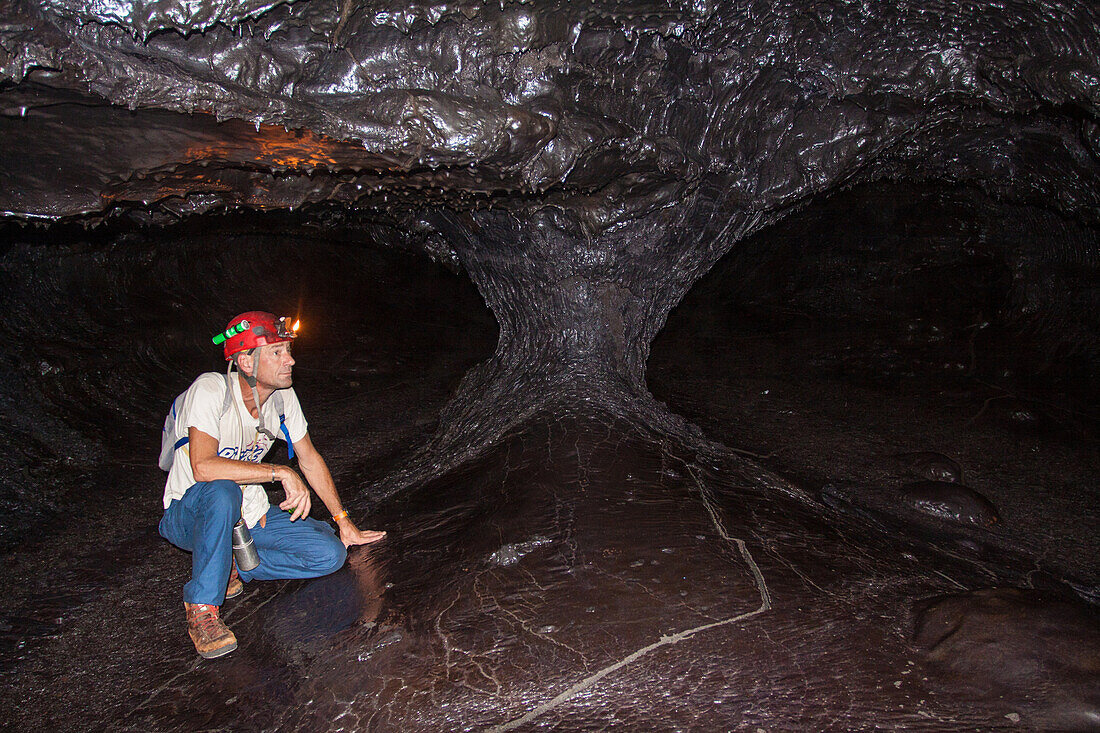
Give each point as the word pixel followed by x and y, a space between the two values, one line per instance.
pixel 897 319
pixel 108 329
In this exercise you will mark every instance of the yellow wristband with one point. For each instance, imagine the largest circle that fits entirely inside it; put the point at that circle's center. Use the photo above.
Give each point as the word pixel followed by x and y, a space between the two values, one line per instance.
pixel 341 515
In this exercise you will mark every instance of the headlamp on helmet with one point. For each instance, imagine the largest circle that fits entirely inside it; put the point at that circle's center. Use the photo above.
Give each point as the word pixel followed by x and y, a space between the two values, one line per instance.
pixel 254 329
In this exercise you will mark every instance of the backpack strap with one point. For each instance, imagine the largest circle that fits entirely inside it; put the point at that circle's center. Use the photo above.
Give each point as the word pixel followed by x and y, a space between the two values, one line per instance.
pixel 182 441
pixel 282 425
pixel 227 401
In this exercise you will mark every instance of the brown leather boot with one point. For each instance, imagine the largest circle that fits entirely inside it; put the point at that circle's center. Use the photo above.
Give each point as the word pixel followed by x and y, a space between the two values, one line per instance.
pixel 235 587
pixel 212 638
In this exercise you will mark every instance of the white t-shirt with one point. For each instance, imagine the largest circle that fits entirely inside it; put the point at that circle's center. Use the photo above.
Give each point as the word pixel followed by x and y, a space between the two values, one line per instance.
pixel 235 431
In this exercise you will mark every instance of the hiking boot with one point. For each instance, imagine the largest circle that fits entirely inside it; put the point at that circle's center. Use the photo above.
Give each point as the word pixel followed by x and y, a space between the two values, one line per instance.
pixel 212 638
pixel 235 587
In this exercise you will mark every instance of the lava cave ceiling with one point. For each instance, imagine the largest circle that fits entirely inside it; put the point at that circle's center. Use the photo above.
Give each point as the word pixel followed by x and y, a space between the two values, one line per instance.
pixel 711 365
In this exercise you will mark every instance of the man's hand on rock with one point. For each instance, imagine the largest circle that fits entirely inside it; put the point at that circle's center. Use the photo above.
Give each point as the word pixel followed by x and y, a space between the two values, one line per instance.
pixel 351 535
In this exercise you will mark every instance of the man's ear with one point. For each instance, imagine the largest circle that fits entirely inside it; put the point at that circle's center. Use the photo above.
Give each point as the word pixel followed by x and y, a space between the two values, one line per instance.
pixel 246 363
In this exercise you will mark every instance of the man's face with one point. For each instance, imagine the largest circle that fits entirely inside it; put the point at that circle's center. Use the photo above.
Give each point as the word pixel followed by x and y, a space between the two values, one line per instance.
pixel 273 366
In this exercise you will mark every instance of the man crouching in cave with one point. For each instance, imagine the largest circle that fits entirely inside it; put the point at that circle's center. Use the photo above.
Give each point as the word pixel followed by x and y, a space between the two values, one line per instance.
pixel 222 429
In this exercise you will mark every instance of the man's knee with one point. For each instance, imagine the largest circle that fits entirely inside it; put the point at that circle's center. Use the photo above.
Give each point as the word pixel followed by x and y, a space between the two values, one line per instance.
pixel 330 556
pixel 222 495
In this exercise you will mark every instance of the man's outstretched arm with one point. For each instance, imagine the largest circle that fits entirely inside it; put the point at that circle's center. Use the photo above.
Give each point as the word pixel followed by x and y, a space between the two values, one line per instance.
pixel 317 473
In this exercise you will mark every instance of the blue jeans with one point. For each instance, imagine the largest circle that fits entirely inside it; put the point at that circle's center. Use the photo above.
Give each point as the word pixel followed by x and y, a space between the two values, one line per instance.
pixel 202 523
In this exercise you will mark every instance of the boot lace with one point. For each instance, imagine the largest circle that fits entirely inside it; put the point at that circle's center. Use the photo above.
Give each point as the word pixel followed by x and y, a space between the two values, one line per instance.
pixel 206 619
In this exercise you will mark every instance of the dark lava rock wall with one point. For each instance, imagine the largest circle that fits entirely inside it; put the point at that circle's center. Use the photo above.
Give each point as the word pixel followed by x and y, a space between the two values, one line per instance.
pixel 584 163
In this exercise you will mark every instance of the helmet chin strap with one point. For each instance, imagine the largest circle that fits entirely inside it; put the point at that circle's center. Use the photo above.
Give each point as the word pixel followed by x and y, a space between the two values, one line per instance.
pixel 260 428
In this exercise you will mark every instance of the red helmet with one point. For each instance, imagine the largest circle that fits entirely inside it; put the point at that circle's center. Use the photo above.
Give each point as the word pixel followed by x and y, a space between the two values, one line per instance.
pixel 262 329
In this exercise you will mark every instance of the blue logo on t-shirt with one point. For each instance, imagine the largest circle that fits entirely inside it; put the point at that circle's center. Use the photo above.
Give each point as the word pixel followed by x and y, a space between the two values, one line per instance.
pixel 252 453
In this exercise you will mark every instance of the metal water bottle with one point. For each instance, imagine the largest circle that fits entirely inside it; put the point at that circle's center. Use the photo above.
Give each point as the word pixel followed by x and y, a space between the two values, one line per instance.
pixel 244 550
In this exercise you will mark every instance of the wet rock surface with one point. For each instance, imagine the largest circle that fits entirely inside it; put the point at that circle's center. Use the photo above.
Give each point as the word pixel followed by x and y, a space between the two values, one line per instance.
pixel 930 466
pixel 1024 645
pixel 658 593
pixel 951 501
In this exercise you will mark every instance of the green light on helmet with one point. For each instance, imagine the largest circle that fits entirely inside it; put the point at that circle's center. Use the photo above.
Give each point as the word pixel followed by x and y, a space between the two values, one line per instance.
pixel 230 332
